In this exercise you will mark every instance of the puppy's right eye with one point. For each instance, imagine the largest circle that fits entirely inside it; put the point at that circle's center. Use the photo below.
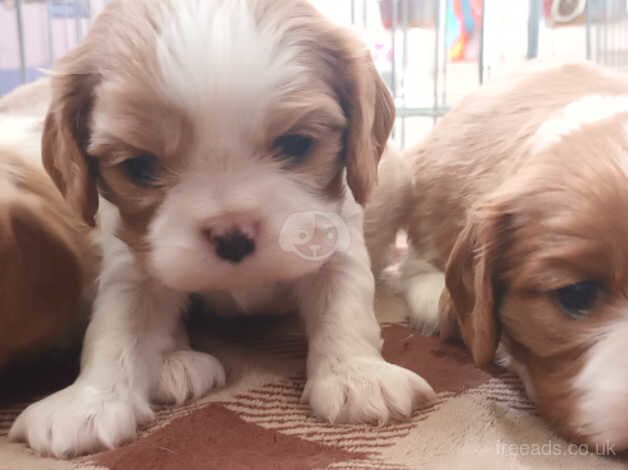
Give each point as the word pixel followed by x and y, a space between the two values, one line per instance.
pixel 294 147
pixel 577 299
pixel 141 170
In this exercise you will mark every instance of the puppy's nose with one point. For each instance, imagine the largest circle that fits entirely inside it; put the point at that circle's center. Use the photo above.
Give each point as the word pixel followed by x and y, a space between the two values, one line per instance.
pixel 234 246
pixel 234 242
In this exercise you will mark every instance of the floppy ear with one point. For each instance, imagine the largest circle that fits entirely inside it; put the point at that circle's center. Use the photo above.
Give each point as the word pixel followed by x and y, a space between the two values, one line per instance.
pixel 65 140
pixel 470 278
pixel 370 112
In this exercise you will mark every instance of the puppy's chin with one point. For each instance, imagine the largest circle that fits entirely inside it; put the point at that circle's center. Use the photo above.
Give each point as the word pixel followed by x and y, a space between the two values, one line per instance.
pixel 197 269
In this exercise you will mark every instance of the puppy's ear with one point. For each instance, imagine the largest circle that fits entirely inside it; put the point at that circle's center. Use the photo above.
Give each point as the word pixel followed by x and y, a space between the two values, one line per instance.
pixel 370 112
pixel 65 140
pixel 471 280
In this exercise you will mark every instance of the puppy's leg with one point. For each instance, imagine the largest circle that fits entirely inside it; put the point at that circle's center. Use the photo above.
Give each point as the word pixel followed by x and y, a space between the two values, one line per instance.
pixel 348 380
pixel 386 212
pixel 422 285
pixel 128 344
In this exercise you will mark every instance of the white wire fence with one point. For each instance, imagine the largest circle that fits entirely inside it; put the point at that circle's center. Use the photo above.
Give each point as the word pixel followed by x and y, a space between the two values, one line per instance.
pixel 430 52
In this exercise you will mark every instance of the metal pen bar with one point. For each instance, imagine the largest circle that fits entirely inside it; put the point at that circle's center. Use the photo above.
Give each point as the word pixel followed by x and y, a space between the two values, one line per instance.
pixel 445 62
pixel 481 51
pixel 604 37
pixel 77 21
pixel 404 65
pixel 393 69
pixel 533 28
pixel 437 32
pixel 20 38
pixel 587 14
pixel 51 50
pixel 433 112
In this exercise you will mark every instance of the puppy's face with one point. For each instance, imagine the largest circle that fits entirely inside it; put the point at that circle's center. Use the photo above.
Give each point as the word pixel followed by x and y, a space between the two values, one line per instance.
pixel 210 125
pixel 543 267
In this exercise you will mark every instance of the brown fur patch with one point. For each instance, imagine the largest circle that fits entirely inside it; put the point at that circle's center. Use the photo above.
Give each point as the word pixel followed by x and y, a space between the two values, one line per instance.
pixel 46 261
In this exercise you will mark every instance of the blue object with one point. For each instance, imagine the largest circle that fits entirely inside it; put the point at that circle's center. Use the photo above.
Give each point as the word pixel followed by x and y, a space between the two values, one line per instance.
pixel 69 9
pixel 11 78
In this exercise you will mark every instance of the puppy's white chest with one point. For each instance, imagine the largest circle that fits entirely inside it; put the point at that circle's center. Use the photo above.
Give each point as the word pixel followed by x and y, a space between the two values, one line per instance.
pixel 275 299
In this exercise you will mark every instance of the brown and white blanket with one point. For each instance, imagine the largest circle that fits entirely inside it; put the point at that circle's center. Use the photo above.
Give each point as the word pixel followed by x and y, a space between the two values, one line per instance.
pixel 481 419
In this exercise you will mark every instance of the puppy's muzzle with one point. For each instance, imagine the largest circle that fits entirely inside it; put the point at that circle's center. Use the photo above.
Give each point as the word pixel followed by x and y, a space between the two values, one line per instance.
pixel 232 240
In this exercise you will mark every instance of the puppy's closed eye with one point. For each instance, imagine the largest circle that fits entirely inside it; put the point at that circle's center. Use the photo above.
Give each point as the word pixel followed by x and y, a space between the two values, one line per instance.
pixel 293 148
pixel 576 300
pixel 141 170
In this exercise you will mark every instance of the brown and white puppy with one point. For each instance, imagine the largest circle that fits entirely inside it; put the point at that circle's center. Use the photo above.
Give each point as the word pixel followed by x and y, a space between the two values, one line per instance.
pixel 225 147
pixel 521 211
pixel 47 261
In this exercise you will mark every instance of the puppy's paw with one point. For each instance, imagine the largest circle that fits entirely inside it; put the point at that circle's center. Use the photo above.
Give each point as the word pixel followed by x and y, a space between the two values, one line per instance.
pixel 366 390
pixel 188 374
pixel 80 419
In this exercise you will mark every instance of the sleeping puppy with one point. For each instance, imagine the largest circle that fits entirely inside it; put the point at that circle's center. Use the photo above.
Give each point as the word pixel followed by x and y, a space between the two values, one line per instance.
pixel 521 197
pixel 224 148
pixel 47 259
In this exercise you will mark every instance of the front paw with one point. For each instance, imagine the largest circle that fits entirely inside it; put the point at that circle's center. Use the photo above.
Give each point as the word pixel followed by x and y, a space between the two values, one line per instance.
pixel 80 419
pixel 366 390
pixel 188 374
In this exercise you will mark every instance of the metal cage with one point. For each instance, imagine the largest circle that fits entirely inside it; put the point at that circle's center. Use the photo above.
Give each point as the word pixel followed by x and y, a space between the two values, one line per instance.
pixel 430 52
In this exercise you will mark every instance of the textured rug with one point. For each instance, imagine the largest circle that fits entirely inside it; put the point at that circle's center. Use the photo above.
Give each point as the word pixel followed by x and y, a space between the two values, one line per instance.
pixel 481 419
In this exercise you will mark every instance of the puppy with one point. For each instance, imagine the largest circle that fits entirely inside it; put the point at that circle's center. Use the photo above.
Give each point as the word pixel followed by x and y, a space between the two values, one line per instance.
pixel 517 227
pixel 211 140
pixel 47 259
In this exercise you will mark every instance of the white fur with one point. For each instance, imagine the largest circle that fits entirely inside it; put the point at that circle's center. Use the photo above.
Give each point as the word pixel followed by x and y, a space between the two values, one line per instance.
pixel 582 112
pixel 23 133
pixel 422 285
pixel 201 36
pixel 601 386
pixel 136 350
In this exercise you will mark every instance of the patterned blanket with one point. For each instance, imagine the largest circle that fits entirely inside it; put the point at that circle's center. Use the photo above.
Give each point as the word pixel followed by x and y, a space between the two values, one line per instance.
pixel 480 420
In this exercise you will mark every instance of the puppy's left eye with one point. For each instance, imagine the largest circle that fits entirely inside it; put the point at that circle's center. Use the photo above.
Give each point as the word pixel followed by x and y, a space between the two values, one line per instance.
pixel 141 170
pixel 294 147
pixel 577 299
